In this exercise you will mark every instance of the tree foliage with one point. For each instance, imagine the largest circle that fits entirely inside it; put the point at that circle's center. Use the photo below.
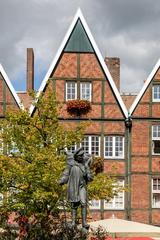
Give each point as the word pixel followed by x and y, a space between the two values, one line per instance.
pixel 32 161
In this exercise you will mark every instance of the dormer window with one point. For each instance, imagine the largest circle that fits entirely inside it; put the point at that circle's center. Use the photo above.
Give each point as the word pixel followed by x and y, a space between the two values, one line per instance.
pixel 156 93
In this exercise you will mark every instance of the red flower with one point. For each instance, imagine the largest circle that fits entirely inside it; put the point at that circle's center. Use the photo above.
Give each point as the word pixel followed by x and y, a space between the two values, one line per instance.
pixel 78 107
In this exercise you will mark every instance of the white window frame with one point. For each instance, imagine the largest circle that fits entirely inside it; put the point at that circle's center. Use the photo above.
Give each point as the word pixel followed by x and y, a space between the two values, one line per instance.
pixel 72 148
pixel 95 204
pixel 157 191
pixel 68 82
pixel 1 142
pixel 154 139
pixel 1 198
pixel 155 99
pixel 113 200
pixel 114 147
pixel 90 89
pixel 90 144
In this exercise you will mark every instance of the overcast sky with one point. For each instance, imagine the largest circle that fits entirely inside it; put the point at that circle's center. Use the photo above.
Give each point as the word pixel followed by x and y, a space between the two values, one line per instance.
pixel 128 29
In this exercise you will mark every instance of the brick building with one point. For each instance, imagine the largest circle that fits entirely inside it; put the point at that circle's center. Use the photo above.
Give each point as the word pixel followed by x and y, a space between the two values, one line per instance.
pixel 129 139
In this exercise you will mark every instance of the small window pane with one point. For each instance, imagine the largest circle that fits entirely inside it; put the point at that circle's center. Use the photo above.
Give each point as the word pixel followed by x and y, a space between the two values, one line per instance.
pixel 85 144
pixel 156 131
pixel 85 93
pixel 114 147
pixel 94 204
pixel 156 146
pixel 95 145
pixel 118 201
pixel 156 92
pixel 71 90
pixel 119 146
pixel 108 146
pixel 156 200
pixel 72 149
pixel 91 145
pixel 156 192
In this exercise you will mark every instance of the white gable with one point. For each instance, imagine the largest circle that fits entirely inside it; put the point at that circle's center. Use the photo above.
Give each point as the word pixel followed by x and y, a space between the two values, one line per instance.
pixel 11 88
pixel 144 88
pixel 97 52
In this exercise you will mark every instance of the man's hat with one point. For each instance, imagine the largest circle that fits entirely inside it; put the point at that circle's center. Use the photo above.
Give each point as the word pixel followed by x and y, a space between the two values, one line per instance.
pixel 79 152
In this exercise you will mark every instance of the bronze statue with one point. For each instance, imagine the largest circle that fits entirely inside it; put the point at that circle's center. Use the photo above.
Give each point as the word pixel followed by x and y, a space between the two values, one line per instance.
pixel 77 174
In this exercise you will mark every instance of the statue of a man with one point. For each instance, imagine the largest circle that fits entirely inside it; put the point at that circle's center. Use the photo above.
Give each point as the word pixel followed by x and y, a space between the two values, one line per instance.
pixel 77 174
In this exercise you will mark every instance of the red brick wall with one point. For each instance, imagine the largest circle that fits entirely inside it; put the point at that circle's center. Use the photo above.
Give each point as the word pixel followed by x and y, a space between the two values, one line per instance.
pixel 116 214
pixel 89 67
pixel 114 127
pixel 142 110
pixel 73 66
pixel 1 89
pixel 85 67
pixel 116 167
pixel 140 138
pixel 67 67
pixel 142 160
pixel 112 111
pixel 155 164
pixel 140 164
pixel 156 216
pixel 157 75
pixel 94 215
pixel 140 216
pixel 7 101
pixel 140 191
pixel 97 93
pixel 60 90
pixel 156 110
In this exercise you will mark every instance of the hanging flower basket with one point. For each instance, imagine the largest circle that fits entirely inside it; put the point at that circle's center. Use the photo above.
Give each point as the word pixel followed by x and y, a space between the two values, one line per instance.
pixel 78 107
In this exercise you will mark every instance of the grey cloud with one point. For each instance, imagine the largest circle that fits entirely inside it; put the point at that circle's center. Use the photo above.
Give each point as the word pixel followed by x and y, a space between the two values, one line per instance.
pixel 124 28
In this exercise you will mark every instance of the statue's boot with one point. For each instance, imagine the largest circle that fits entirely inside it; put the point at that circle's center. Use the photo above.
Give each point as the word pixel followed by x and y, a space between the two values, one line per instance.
pixel 74 217
pixel 84 218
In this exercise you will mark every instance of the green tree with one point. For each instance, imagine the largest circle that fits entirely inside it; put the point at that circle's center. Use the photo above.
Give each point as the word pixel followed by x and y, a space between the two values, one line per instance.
pixel 33 160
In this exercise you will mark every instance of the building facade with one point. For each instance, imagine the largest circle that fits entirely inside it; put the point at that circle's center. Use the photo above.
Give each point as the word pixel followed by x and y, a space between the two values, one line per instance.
pixel 127 140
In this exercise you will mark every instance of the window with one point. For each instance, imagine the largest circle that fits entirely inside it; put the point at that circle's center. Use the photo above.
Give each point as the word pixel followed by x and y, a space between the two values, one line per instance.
pixel 1 199
pixel 85 91
pixel 72 149
pixel 156 192
pixel 85 144
pixel 1 142
pixel 94 204
pixel 118 201
pixel 14 149
pixel 114 147
pixel 156 139
pixel 1 147
pixel 156 93
pixel 91 145
pixel 71 90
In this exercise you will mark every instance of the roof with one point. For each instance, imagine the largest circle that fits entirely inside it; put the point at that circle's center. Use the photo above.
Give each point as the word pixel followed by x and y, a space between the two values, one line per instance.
pixel 25 98
pixel 144 88
pixel 79 41
pixel 79 16
pixel 11 88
